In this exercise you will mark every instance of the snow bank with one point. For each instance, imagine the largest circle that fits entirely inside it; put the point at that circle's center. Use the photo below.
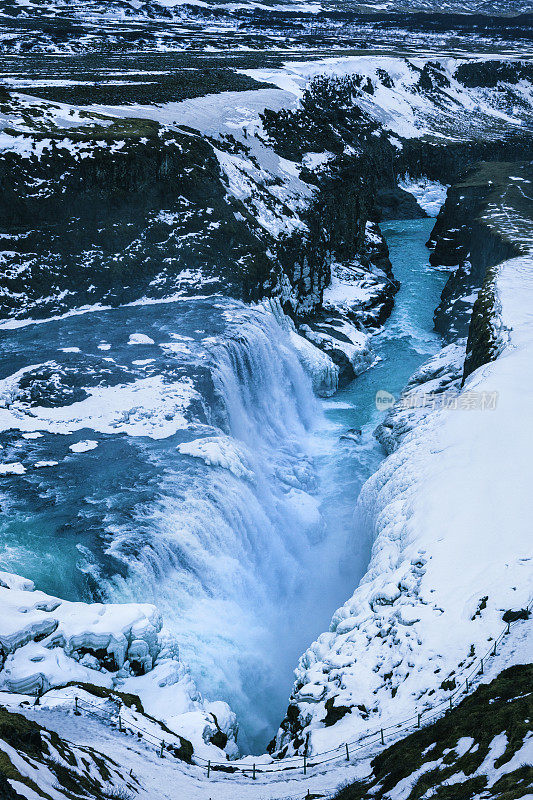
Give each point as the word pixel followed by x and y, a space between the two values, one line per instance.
pixel 430 195
pixel 146 407
pixel 48 643
pixel 450 513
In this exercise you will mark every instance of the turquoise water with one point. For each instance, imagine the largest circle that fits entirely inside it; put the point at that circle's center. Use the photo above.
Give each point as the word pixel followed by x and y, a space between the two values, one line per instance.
pixel 404 343
pixel 248 549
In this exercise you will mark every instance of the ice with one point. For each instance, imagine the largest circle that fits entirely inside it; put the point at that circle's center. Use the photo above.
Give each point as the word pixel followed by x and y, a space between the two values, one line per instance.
pixel 14 468
pixel 140 338
pixel 148 407
pixel 49 642
pixel 430 195
pixel 324 373
pixel 220 451
pixel 83 447
pixel 451 540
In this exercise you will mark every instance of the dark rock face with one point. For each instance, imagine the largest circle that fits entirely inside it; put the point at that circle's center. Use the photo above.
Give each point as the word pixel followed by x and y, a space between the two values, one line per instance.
pixel 93 230
pixel 448 163
pixel 114 212
pixel 491 73
pixel 513 616
pixel 334 713
pixel 469 234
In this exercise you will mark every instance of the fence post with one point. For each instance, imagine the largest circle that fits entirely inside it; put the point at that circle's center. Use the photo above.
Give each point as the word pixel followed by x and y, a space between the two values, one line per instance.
pixel 253 773
pixel 451 705
pixel 76 707
pixel 467 686
pixel 208 768
pixel 162 748
pixel 347 752
pixel 119 723
pixel 481 670
pixel 305 765
pixel 382 739
pixel 418 723
pixel 494 648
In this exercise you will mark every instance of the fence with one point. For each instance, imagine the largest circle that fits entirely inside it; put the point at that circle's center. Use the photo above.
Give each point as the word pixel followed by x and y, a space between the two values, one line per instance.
pixel 344 751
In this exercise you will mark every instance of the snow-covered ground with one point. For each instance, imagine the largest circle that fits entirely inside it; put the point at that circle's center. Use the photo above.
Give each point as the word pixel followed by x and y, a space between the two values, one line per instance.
pixel 48 642
pixel 171 779
pixel 407 104
pixel 450 511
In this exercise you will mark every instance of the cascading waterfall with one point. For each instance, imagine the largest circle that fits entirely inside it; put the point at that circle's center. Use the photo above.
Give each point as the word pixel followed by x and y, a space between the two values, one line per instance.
pixel 231 549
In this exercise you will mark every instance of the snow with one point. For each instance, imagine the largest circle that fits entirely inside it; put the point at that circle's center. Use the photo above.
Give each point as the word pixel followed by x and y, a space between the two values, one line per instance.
pixel 147 407
pixel 450 522
pixel 350 288
pixel 140 338
pixel 399 104
pixel 49 642
pixel 13 468
pixel 83 447
pixel 336 335
pixel 430 195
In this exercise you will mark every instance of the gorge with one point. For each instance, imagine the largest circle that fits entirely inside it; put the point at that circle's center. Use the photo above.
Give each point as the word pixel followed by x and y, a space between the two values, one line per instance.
pixel 238 395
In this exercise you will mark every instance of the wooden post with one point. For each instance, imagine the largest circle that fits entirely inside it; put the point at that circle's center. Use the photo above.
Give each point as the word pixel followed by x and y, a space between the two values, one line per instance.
pixel 347 752
pixel 494 648
pixel 382 739
pixel 119 723
pixel 467 686
pixel 161 749
pixel 418 723
pixel 76 711
pixel 208 768
pixel 481 670
pixel 253 773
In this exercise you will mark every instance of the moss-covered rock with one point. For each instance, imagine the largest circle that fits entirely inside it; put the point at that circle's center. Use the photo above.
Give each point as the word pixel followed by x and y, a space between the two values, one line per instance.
pixel 431 758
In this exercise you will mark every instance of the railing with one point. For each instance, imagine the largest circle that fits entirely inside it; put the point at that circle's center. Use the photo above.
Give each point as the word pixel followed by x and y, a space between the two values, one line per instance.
pixel 344 751
pixel 347 749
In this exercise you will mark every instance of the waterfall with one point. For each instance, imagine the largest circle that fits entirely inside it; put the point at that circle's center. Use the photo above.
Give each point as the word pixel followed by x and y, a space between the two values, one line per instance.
pixel 228 549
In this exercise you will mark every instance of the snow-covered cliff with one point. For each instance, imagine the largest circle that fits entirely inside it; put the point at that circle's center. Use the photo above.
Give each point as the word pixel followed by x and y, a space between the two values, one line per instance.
pixel 53 651
pixel 449 512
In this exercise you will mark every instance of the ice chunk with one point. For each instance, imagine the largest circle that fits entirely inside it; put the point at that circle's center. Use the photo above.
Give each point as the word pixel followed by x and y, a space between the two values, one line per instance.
pixel 83 447
pixel 140 338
